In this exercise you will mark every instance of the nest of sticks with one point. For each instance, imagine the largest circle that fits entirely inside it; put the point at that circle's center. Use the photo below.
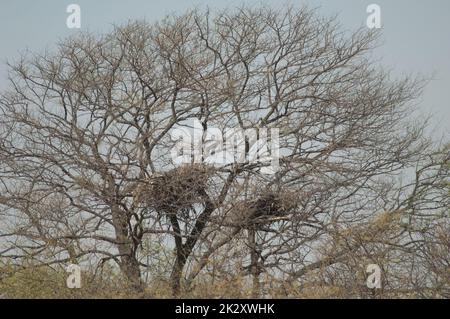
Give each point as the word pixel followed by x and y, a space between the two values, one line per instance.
pixel 264 210
pixel 176 190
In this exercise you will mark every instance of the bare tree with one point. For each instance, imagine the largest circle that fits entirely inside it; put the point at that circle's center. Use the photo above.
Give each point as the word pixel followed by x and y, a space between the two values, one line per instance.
pixel 87 171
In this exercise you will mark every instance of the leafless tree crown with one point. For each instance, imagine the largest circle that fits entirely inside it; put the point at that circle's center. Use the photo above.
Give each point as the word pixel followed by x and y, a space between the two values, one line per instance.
pixel 86 173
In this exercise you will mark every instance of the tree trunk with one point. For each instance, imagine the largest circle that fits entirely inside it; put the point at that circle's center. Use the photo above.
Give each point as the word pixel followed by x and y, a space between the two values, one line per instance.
pixel 184 250
pixel 175 277
pixel 180 259
pixel 254 262
pixel 130 267
pixel 128 262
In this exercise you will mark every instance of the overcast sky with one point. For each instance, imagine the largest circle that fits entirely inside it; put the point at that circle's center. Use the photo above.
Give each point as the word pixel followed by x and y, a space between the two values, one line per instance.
pixel 416 34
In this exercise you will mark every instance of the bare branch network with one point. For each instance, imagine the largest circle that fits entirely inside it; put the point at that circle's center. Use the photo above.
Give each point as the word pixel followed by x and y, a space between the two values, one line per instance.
pixel 87 175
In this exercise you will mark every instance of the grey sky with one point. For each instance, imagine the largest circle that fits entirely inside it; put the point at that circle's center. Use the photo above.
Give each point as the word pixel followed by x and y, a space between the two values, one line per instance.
pixel 416 33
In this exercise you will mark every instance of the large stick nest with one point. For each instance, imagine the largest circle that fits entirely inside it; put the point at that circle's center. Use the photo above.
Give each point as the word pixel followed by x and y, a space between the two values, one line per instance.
pixel 264 210
pixel 175 190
